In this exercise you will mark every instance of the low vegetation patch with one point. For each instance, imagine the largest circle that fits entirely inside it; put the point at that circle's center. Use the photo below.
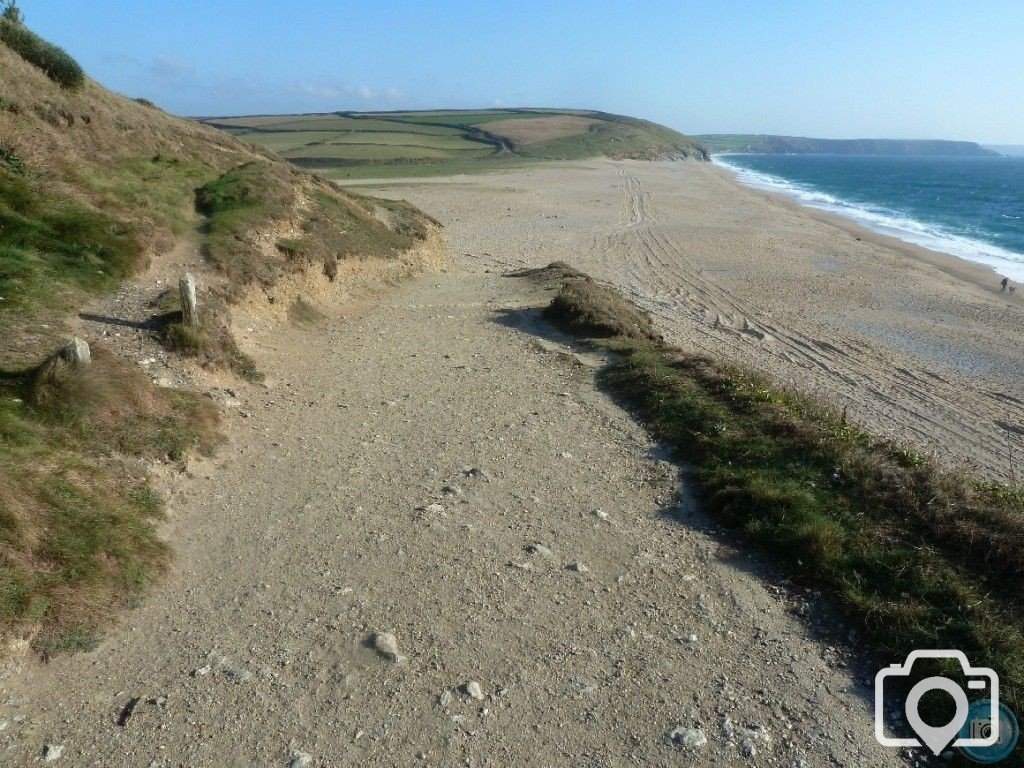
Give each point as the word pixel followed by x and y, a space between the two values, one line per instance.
pixel 331 226
pixel 919 557
pixel 9 157
pixel 587 309
pixel 54 61
pixel 53 252
pixel 77 515
pixel 244 199
pixel 212 344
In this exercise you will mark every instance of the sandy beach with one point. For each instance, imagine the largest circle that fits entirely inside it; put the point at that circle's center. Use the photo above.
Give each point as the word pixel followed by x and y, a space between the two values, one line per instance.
pixel 915 345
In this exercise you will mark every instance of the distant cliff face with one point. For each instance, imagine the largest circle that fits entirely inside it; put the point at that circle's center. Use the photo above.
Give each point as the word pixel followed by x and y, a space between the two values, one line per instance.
pixel 798 145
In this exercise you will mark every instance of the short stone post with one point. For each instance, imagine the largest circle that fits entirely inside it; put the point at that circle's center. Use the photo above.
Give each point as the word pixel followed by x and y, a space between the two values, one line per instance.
pixel 76 352
pixel 189 308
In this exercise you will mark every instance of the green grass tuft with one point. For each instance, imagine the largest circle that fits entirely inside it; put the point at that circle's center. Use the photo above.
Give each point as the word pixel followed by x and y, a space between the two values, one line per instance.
pixel 9 157
pixel 53 252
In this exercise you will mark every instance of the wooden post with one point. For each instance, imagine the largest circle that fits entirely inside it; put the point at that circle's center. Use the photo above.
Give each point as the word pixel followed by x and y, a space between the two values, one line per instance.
pixel 189 308
pixel 76 352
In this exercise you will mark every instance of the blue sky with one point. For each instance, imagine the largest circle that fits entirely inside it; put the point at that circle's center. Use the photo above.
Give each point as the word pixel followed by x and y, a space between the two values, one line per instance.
pixel 900 68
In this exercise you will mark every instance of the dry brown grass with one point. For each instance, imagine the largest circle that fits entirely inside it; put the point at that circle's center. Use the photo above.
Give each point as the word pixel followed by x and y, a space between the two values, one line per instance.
pixel 77 516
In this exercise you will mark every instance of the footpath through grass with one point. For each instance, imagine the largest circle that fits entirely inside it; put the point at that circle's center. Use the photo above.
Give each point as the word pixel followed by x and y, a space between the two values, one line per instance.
pixel 917 556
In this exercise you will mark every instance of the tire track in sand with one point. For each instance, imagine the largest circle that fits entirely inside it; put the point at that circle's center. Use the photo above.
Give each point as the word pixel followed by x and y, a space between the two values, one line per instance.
pixel 937 412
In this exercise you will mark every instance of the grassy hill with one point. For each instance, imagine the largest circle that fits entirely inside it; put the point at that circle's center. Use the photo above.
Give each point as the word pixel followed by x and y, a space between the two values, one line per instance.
pixel 92 186
pixel 351 144
pixel 799 145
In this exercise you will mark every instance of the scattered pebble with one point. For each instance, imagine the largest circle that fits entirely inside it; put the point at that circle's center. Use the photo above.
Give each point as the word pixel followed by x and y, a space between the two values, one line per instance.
pixel 688 738
pixel 747 739
pixel 52 752
pixel 578 568
pixel 238 674
pixel 300 760
pixel 386 644
pixel 539 549
pixel 451 490
pixel 445 698
pixel 601 515
pixel 473 690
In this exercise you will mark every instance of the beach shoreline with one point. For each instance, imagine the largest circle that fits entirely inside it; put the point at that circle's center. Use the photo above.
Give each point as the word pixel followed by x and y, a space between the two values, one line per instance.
pixel 980 274
pixel 915 345
pixel 975 273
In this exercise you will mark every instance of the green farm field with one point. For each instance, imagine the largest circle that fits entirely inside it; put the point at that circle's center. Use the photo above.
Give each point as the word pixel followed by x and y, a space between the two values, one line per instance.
pixel 380 144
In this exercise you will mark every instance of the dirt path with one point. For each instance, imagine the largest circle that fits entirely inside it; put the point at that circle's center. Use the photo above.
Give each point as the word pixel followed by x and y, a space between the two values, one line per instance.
pixel 124 321
pixel 431 467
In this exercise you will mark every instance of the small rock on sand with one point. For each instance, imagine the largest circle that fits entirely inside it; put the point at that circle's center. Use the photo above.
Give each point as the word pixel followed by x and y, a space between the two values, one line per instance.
pixel 539 549
pixel 688 738
pixel 52 752
pixel 386 644
pixel 473 690
pixel 300 760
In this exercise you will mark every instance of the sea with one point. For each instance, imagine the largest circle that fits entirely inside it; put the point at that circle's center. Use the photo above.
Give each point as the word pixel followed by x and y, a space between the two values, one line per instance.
pixel 971 207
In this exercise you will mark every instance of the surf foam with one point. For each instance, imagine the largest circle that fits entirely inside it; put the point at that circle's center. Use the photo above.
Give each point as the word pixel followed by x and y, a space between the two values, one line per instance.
pixel 888 222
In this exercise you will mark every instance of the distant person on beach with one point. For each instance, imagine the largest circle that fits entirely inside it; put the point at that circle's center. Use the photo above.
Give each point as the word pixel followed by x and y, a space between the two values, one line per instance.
pixel 1003 284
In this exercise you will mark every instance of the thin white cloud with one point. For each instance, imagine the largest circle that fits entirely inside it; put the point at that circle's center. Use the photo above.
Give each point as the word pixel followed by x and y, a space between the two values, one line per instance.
pixel 166 70
pixel 332 90
pixel 171 78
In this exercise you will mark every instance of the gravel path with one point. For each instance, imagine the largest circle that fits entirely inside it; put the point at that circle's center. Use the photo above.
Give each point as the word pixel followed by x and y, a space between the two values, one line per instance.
pixel 428 466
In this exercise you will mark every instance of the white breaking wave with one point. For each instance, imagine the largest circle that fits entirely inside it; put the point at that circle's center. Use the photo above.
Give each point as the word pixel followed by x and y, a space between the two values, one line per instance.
pixel 889 222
